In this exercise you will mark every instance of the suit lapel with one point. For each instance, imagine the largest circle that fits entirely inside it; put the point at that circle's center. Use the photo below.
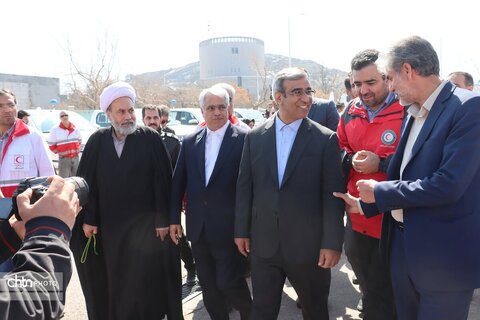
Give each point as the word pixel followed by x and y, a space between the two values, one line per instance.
pixel 433 115
pixel 270 148
pixel 227 143
pixel 301 140
pixel 200 152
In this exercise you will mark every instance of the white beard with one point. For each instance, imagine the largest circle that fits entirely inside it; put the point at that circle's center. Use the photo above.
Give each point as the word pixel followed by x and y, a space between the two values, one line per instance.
pixel 124 131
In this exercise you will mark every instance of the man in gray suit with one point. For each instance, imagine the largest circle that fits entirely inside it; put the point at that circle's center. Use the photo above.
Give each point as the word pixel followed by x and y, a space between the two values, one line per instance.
pixel 285 208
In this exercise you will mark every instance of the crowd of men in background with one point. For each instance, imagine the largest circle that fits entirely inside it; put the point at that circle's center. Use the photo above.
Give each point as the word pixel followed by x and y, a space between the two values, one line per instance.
pixel 401 161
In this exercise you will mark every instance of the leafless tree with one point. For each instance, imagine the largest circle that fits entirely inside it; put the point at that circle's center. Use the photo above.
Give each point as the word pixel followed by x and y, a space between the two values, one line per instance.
pixel 327 81
pixel 87 82
pixel 265 75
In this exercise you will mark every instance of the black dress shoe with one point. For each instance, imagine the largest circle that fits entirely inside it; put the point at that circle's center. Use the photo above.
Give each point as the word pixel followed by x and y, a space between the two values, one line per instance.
pixel 191 278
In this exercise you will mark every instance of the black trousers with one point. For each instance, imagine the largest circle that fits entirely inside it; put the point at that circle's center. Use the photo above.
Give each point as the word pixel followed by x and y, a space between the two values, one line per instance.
pixel 311 283
pixel 220 271
pixel 372 273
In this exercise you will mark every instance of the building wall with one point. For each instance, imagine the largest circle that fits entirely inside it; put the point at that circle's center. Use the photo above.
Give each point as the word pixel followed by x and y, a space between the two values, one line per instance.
pixel 236 60
pixel 31 92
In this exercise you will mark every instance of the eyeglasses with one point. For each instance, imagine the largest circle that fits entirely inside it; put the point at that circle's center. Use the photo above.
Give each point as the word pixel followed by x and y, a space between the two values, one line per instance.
pixel 300 92
pixel 64 115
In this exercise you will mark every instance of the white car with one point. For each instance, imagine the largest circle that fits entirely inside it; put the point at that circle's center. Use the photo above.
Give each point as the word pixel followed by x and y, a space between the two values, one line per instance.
pixel 184 120
pixel 256 115
pixel 45 120
pixel 99 118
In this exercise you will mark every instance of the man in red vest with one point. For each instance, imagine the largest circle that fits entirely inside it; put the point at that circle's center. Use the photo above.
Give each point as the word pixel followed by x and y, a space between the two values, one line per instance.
pixel 65 140
pixel 369 132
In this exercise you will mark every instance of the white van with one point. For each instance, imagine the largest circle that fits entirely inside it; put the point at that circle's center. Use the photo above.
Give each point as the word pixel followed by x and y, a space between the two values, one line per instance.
pixel 45 120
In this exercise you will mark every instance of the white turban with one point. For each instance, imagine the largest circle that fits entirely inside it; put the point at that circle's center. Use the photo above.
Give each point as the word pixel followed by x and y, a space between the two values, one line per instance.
pixel 114 91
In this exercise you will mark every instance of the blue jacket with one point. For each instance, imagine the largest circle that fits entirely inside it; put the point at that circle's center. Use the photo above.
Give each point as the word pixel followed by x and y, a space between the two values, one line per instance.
pixel 438 193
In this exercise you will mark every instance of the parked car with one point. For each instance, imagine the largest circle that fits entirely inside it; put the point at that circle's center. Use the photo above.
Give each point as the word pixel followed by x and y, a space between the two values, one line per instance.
pixel 45 120
pixel 241 114
pixel 99 118
pixel 185 120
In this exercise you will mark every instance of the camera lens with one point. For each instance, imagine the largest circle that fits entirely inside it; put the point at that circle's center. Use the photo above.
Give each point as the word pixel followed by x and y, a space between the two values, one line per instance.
pixel 81 188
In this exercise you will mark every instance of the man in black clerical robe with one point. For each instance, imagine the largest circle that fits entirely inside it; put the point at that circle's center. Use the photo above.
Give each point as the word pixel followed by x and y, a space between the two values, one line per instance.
pixel 136 274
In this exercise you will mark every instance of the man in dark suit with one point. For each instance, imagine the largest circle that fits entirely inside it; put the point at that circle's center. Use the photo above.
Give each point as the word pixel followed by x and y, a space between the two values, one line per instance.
pixel 325 113
pixel 432 214
pixel 151 117
pixel 207 171
pixel 285 208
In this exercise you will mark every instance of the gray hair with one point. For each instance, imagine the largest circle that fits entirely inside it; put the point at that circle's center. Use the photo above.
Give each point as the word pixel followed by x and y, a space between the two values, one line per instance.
pixel 287 74
pixel 216 91
pixel 417 52
pixel 230 89
pixel 467 76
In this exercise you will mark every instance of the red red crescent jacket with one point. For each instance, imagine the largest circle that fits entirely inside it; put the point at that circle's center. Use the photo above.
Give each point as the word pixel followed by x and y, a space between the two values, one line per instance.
pixel 65 141
pixel 25 155
pixel 381 137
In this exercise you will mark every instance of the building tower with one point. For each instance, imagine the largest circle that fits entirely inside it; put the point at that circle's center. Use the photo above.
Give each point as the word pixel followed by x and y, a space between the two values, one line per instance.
pixel 235 60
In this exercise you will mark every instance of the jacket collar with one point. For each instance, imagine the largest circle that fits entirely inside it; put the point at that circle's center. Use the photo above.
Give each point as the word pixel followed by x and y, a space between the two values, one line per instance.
pixel 70 128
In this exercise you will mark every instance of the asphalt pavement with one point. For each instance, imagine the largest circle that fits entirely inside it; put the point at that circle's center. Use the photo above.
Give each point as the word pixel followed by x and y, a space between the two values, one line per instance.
pixel 342 302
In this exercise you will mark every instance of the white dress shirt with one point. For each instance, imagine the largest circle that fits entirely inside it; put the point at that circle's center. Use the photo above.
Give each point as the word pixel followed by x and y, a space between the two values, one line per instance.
pixel 212 147
pixel 285 136
pixel 420 116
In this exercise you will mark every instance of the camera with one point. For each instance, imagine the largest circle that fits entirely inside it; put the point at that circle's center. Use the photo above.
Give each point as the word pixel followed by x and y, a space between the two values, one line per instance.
pixel 39 186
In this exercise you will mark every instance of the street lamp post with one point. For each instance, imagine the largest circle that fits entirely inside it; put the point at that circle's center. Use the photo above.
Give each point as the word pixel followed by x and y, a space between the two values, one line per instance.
pixel 289 39
pixel 289 45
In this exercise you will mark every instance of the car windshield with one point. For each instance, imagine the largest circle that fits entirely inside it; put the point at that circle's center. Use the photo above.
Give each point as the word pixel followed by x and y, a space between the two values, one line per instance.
pixel 250 114
pixel 185 117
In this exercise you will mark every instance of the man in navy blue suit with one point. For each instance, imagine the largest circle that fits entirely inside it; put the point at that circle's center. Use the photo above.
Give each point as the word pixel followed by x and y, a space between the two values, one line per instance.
pixel 430 232
pixel 325 113
pixel 207 170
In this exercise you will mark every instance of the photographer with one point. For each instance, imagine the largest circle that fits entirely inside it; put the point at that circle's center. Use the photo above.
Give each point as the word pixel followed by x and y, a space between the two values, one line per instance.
pixel 42 266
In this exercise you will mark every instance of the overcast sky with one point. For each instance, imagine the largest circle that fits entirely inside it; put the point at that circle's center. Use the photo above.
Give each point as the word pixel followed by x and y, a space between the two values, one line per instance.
pixel 156 35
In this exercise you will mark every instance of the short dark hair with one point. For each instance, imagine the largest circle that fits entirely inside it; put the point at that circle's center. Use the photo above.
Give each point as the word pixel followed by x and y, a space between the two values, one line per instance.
pixel 163 110
pixel 22 113
pixel 347 83
pixel 364 58
pixel 150 107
